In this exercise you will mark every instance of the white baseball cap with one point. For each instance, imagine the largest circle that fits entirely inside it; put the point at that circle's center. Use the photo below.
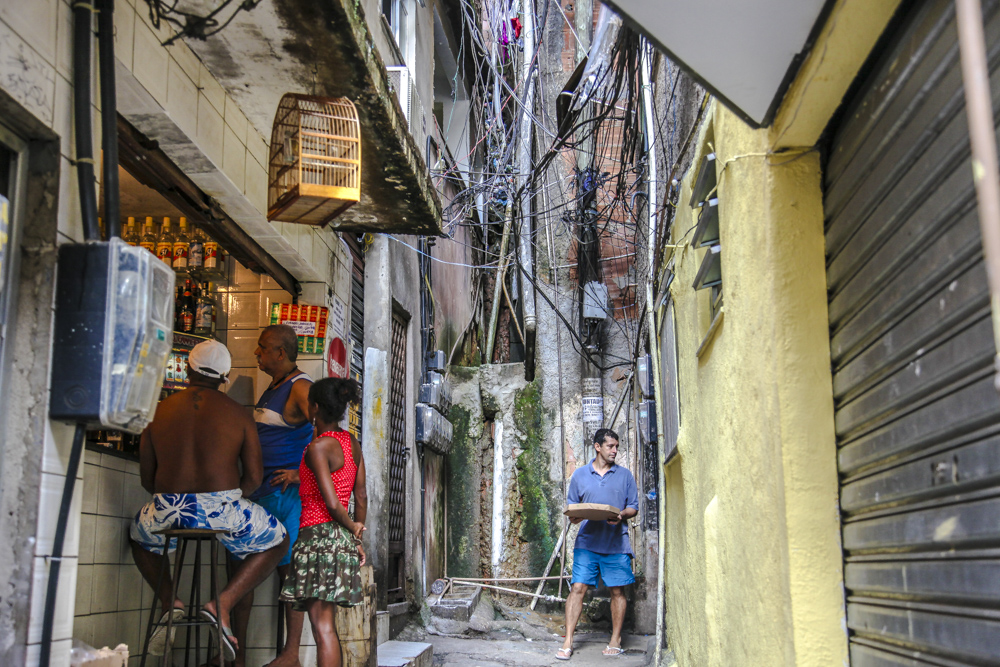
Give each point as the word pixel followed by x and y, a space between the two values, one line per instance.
pixel 210 358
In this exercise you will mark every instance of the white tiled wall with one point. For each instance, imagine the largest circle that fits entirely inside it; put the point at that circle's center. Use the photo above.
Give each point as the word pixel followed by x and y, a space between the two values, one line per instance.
pixel 111 601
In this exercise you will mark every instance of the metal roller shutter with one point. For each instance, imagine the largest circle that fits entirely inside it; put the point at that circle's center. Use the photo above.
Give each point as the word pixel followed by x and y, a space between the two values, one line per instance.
pixel 917 417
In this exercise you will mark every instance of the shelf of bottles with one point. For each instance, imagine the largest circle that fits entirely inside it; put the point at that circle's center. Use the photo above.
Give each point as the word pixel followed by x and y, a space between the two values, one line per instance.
pixel 199 262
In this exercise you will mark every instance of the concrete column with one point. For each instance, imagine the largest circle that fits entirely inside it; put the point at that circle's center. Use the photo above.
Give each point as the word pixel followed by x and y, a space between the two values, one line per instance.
pixel 375 407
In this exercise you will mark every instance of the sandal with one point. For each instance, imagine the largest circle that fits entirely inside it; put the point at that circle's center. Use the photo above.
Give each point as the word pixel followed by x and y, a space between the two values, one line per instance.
pixel 158 639
pixel 228 646
pixel 564 654
pixel 613 650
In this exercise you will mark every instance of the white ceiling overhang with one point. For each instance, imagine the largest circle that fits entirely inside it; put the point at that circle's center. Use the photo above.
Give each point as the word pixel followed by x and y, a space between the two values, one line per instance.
pixel 746 53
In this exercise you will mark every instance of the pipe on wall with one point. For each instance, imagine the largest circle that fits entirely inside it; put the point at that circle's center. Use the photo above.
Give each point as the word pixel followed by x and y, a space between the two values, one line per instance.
pixel 83 33
pixel 985 171
pixel 651 199
pixel 109 116
pixel 526 255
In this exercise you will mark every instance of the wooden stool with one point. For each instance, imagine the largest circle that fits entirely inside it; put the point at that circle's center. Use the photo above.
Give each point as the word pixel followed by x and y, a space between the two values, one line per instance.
pixel 191 618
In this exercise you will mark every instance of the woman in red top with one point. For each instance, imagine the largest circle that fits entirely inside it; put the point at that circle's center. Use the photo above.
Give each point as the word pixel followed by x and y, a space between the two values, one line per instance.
pixel 327 558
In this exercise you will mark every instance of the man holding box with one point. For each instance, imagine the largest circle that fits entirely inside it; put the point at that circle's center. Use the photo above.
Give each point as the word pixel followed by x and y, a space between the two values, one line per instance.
pixel 602 547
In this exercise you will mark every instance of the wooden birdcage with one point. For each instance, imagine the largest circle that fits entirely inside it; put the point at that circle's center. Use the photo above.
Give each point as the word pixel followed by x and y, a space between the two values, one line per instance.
pixel 314 170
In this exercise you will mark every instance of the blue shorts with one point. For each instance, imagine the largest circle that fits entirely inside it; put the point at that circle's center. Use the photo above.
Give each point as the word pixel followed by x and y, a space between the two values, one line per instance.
pixel 615 569
pixel 286 506
pixel 249 527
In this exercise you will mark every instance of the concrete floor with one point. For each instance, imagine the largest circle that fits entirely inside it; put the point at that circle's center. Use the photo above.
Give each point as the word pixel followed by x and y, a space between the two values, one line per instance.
pixel 511 652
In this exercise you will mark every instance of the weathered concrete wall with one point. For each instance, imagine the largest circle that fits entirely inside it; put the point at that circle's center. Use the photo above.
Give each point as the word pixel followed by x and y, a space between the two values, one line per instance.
pixel 505 497
pixel 468 470
pixel 32 448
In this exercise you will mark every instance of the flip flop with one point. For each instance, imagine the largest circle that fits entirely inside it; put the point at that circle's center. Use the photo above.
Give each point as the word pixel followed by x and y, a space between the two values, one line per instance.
pixel 614 650
pixel 228 648
pixel 564 654
pixel 158 640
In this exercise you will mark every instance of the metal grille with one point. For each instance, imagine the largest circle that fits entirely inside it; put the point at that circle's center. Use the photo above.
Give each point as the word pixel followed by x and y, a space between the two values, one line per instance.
pixel 917 418
pixel 397 434
pixel 357 361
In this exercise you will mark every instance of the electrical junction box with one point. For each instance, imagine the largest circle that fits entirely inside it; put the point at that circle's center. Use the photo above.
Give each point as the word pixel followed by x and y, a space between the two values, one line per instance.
pixel 436 361
pixel 644 375
pixel 112 335
pixel 595 301
pixel 647 421
pixel 433 431
pixel 436 392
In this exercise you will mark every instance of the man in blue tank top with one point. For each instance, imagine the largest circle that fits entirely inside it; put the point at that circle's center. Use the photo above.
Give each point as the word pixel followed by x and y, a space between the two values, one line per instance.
pixel 284 430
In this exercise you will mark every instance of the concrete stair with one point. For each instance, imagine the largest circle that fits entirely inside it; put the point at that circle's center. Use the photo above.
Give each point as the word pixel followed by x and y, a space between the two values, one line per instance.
pixel 456 605
pixel 405 654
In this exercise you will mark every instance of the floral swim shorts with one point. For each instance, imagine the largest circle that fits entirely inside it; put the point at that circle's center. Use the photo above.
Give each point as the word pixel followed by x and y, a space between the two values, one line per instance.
pixel 249 527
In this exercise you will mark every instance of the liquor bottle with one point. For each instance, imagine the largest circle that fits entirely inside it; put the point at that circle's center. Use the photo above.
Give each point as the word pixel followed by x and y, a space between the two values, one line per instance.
pixel 148 240
pixel 211 254
pixel 196 251
pixel 131 236
pixel 187 309
pixel 178 307
pixel 165 244
pixel 182 245
pixel 204 314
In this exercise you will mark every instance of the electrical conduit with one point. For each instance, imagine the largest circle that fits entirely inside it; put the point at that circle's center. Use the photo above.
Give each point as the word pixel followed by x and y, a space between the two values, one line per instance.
pixel 82 116
pixel 661 498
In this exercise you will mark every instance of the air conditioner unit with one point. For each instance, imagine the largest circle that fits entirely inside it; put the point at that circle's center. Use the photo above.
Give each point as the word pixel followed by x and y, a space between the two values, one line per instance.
pixel 402 84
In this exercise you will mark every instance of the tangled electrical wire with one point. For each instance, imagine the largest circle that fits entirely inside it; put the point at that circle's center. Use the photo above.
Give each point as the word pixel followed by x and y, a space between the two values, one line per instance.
pixel 195 25
pixel 593 211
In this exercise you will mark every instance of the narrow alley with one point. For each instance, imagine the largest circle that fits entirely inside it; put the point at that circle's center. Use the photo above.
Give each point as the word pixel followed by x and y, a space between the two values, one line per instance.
pixel 413 333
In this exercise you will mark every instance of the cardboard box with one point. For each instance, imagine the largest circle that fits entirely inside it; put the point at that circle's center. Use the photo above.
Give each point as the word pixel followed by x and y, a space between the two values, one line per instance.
pixel 592 511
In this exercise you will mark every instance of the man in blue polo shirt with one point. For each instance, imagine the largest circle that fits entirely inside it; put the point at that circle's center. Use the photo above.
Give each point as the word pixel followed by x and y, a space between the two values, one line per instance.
pixel 602 547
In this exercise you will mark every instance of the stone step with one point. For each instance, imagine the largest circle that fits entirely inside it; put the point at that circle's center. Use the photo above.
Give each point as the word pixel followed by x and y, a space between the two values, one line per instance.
pixel 457 605
pixel 405 654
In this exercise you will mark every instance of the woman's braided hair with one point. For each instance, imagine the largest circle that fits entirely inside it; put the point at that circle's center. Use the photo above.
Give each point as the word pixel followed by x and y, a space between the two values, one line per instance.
pixel 332 396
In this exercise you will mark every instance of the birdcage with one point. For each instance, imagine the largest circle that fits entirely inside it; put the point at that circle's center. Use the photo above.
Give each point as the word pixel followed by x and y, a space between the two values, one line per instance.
pixel 314 171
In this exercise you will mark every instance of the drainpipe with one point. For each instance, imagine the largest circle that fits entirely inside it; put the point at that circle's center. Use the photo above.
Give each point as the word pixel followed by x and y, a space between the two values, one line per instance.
pixel 985 173
pixel 661 496
pixel 524 167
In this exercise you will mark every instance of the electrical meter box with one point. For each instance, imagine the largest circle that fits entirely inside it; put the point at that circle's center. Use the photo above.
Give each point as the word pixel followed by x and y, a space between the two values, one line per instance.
pixel 436 392
pixel 595 301
pixel 436 361
pixel 644 374
pixel 113 335
pixel 647 421
pixel 433 430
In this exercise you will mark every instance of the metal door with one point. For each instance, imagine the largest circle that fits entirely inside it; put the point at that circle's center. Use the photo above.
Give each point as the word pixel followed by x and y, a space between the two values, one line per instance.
pixel 397 460
pixel 917 417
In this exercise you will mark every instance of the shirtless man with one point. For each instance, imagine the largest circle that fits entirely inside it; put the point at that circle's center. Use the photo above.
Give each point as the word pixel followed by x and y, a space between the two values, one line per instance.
pixel 189 459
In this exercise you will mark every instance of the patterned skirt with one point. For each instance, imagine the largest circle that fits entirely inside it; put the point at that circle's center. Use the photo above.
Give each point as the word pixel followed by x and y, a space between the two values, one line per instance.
pixel 325 565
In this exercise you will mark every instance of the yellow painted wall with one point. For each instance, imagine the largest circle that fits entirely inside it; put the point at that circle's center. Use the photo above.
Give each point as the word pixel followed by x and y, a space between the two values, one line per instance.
pixel 753 552
pixel 754 571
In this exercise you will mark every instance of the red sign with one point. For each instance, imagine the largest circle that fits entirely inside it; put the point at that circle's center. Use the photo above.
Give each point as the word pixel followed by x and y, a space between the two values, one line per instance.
pixel 336 359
